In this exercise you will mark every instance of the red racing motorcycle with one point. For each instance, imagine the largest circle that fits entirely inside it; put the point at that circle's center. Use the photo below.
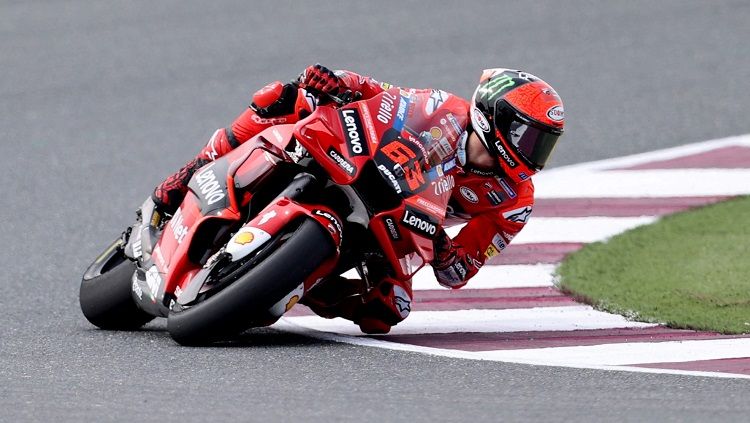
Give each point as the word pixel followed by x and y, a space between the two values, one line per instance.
pixel 363 186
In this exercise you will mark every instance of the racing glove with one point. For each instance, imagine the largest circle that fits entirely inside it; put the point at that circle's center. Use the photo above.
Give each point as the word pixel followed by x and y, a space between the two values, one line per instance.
pixel 451 265
pixel 324 80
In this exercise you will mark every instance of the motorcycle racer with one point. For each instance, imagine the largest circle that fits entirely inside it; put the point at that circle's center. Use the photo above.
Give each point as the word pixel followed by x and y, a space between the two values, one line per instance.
pixel 505 134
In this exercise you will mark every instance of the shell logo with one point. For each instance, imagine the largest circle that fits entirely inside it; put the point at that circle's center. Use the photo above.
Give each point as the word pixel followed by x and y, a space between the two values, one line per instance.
pixel 244 238
pixel 292 301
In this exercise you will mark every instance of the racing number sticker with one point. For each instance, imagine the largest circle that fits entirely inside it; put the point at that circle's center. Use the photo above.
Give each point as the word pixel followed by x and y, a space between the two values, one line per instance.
pixel 401 155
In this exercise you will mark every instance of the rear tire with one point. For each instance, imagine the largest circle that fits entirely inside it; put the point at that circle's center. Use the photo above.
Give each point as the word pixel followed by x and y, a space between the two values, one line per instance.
pixel 233 310
pixel 105 293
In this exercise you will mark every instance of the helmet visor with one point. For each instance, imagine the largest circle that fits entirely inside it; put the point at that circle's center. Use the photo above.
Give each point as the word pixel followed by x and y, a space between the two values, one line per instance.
pixel 532 141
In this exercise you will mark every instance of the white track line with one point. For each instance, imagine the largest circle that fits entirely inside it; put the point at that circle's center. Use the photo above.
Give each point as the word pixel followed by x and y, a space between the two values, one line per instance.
pixel 575 183
pixel 571 229
pixel 493 276
pixel 485 321
pixel 629 353
pixel 288 325
pixel 652 156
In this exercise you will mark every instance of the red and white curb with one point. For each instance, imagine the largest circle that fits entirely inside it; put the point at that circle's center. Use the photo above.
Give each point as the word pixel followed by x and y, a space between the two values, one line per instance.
pixel 512 311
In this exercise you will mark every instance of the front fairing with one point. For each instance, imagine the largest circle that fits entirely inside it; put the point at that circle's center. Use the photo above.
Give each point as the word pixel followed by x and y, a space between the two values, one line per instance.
pixel 410 144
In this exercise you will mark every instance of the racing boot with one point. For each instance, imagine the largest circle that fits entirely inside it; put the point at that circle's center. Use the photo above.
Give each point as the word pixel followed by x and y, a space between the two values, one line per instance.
pixel 376 311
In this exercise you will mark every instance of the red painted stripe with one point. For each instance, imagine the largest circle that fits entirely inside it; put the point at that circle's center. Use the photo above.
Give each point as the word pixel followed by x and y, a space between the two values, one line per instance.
pixel 552 252
pixel 727 365
pixel 732 157
pixel 618 207
pixel 547 339
pixel 496 299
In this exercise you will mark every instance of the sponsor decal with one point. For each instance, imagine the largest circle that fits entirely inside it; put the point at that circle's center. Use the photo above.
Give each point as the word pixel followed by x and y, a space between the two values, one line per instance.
pixel 388 174
pixel 271 121
pixel 353 132
pixel 244 238
pixel 556 113
pixel 523 176
pixel 341 161
pixel 504 154
pixel 497 86
pixel 296 151
pixel 450 164
pixel 406 163
pixel 429 205
pixel 403 107
pixel 385 110
pixel 520 215
pixel 332 219
pixel 402 301
pixel 385 86
pixel 179 229
pixel 437 98
pixel 392 228
pixel 211 155
pixel 460 267
pixel 436 133
pixel 137 247
pixel 480 172
pixel 477 117
pixel 137 288
pixel 469 195
pixel 498 242
pixel 267 216
pixel 444 184
pixel 495 198
pixel 208 186
pixel 292 301
pixel 507 188
pixel 153 280
pixel 454 123
pixel 491 251
pixel 367 120
pixel 419 222
pixel 508 236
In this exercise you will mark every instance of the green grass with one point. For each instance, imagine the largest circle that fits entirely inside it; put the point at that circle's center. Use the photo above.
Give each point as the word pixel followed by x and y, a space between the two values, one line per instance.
pixel 689 270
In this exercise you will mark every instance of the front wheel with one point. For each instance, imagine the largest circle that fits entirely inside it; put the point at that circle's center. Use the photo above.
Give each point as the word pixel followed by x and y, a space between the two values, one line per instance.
pixel 105 294
pixel 234 308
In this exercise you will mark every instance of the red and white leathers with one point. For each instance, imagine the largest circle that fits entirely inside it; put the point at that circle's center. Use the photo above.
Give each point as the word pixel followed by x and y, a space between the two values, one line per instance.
pixel 494 208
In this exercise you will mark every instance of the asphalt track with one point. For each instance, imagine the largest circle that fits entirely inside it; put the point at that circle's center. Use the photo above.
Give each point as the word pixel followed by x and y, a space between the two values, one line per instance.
pixel 99 100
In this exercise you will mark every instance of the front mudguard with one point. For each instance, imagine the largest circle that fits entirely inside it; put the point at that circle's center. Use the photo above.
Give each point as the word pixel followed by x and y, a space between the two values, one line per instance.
pixel 256 233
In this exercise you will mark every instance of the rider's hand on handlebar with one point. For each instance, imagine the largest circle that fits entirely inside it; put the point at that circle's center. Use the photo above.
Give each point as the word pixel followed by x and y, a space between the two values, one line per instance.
pixel 322 79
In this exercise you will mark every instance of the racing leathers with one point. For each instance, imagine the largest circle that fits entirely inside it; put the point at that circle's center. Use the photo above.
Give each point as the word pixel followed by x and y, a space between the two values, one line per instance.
pixel 494 207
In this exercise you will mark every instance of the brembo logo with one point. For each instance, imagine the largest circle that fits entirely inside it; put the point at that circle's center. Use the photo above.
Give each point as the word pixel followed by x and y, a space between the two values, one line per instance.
pixel 419 222
pixel 504 154
pixel 352 125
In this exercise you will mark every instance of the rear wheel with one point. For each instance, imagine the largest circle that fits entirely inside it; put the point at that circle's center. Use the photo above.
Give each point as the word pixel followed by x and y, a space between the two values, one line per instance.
pixel 298 254
pixel 105 292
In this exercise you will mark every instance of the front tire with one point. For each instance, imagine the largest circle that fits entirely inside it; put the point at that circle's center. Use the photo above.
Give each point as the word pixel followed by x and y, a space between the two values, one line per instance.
pixel 105 293
pixel 233 309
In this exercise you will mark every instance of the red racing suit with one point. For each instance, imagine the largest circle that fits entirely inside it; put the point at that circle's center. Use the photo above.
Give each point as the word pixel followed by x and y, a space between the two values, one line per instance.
pixel 494 208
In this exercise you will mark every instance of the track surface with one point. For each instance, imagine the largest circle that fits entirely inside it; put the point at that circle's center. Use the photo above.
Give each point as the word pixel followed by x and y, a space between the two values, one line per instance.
pixel 99 100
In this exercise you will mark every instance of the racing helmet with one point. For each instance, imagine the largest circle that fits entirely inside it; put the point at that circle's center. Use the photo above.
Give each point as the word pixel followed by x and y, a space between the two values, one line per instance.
pixel 519 118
